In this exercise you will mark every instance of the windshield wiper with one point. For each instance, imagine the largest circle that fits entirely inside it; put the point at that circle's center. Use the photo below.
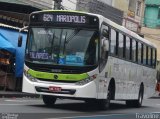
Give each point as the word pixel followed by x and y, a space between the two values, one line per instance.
pixel 64 46
pixel 72 35
pixel 52 42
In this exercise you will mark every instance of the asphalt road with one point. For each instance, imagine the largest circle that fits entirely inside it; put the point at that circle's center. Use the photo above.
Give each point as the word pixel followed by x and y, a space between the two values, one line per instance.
pixel 33 108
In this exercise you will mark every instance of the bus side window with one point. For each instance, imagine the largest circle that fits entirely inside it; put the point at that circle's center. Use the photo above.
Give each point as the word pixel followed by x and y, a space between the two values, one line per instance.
pixel 144 54
pixel 113 42
pixel 139 52
pixel 149 56
pixel 104 36
pixel 120 46
pixel 127 48
pixel 153 58
pixel 103 54
pixel 133 50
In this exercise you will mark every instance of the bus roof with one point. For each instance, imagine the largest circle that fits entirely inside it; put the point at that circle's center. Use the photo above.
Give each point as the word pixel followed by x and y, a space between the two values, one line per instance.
pixel 111 23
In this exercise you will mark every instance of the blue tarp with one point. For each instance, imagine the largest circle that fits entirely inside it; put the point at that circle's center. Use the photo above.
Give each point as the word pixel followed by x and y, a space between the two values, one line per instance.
pixel 12 36
pixel 6 45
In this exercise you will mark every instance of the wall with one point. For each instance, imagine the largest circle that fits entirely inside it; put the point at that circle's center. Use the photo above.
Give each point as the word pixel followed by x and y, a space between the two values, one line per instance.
pixel 121 5
pixel 151 15
pixel 99 7
pixel 109 2
pixel 153 2
pixel 153 36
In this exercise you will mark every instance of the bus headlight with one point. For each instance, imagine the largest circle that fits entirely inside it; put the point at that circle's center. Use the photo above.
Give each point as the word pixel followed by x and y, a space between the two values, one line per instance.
pixel 87 80
pixel 31 78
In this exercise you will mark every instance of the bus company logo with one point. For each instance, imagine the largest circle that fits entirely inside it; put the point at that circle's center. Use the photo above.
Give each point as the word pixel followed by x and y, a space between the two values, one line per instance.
pixel 55 77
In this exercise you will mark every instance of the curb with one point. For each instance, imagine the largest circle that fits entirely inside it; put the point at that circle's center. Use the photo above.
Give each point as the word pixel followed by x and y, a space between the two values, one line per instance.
pixel 17 95
pixel 156 97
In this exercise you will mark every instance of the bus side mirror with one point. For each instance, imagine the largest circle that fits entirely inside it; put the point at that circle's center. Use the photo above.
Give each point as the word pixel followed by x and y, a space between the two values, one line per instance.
pixel 19 41
pixel 105 45
pixel 105 33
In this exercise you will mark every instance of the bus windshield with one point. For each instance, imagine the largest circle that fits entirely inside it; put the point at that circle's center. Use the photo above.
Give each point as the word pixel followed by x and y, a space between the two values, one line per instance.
pixel 59 46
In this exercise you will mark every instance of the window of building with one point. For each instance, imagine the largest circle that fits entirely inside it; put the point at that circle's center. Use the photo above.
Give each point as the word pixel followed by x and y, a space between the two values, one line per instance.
pixel 159 13
pixel 132 5
pixel 138 8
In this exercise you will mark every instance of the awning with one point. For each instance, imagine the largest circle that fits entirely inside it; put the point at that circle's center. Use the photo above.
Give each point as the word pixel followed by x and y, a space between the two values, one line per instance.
pixel 6 45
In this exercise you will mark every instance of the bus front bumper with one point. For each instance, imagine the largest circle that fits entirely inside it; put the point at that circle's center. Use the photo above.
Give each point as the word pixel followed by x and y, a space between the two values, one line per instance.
pixel 88 90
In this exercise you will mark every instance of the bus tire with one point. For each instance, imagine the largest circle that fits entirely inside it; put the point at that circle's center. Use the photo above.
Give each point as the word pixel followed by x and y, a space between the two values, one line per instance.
pixel 136 103
pixel 49 100
pixel 129 103
pixel 104 104
pixel 90 101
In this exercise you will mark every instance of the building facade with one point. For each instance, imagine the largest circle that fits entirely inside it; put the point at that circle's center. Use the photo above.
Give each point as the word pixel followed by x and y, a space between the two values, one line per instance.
pixel 99 7
pixel 133 17
pixel 129 12
pixel 152 14
pixel 16 12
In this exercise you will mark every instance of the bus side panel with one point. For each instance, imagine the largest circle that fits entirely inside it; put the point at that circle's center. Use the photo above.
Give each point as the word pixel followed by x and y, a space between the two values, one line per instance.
pixel 128 78
pixel 149 81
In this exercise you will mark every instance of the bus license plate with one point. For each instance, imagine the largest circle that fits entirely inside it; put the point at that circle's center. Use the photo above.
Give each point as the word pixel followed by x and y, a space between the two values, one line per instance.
pixel 54 89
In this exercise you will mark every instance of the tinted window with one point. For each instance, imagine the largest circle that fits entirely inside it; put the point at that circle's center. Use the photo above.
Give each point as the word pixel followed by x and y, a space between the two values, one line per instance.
pixel 154 57
pixel 149 56
pixel 144 54
pixel 139 52
pixel 133 50
pixel 127 48
pixel 113 42
pixel 120 47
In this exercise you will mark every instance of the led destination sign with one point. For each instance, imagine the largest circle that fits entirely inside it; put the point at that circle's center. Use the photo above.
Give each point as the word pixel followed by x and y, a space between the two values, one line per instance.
pixel 64 18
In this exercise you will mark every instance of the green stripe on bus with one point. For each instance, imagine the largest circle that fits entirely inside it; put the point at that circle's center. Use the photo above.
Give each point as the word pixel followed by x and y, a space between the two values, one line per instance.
pixel 64 77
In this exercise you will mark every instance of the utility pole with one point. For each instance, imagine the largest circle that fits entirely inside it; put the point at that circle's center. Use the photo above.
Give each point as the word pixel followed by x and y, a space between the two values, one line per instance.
pixel 57 4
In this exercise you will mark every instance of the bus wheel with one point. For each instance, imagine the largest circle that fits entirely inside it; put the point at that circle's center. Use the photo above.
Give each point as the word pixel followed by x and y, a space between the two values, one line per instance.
pixel 49 100
pixel 90 101
pixel 136 103
pixel 105 103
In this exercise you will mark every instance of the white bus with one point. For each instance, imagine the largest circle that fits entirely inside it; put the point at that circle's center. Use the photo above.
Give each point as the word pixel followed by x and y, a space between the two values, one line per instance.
pixel 86 56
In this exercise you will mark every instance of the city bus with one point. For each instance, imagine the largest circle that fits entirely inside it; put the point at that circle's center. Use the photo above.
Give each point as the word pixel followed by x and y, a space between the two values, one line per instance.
pixel 85 56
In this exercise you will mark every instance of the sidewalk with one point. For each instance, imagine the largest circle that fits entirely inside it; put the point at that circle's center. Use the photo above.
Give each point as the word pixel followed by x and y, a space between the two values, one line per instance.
pixel 14 94
pixel 156 95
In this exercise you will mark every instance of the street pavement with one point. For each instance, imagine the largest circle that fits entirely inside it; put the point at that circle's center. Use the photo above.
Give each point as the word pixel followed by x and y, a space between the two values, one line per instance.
pixel 10 94
pixel 33 108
